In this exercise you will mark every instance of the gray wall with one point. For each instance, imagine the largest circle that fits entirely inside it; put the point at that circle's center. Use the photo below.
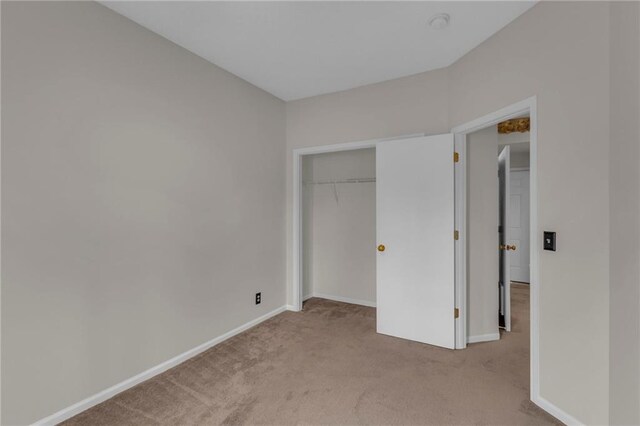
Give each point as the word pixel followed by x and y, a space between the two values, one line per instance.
pixel 403 106
pixel 340 236
pixel 559 52
pixel 624 362
pixel 146 186
pixel 482 232
pixel 142 203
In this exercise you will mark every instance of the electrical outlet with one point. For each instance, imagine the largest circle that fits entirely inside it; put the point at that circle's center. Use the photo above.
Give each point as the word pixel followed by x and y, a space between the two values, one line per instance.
pixel 258 298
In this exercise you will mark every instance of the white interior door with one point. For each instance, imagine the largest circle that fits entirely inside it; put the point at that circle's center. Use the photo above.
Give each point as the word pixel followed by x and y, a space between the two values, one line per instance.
pixel 519 225
pixel 504 237
pixel 415 270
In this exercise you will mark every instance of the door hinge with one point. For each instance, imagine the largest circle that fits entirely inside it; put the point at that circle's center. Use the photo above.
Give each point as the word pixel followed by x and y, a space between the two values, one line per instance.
pixel 456 157
pixel 456 235
pixel 456 312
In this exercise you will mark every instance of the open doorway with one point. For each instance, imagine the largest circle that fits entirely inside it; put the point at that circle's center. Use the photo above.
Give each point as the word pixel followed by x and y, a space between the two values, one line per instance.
pixel 525 297
pixel 497 246
pixel 514 218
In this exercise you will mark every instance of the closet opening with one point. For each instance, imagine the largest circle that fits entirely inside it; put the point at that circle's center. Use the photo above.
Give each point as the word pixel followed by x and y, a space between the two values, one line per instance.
pixel 338 226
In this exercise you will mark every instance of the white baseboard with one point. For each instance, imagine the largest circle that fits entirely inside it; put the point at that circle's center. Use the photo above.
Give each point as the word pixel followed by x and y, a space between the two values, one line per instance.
pixel 67 413
pixel 556 412
pixel 345 299
pixel 483 338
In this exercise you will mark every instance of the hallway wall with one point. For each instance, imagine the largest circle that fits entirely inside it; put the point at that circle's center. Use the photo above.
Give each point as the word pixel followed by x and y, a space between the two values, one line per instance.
pixel 482 233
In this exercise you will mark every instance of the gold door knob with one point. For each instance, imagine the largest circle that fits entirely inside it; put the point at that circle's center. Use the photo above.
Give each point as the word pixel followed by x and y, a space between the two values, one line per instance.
pixel 381 247
pixel 507 247
pixel 511 247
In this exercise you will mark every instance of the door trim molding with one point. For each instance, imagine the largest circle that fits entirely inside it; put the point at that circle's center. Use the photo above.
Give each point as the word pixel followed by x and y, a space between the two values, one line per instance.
pixel 525 106
pixel 296 235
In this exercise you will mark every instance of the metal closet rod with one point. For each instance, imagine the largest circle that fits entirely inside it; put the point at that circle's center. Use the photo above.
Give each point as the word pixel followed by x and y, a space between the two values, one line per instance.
pixel 330 182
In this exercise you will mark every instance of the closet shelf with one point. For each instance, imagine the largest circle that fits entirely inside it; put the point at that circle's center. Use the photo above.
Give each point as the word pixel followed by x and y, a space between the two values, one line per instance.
pixel 333 182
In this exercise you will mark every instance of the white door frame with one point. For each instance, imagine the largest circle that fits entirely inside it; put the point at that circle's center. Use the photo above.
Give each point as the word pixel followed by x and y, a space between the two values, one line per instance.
pixel 460 132
pixel 296 243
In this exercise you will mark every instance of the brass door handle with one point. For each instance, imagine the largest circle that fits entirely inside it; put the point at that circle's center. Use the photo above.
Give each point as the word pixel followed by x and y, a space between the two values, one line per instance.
pixel 381 247
pixel 507 247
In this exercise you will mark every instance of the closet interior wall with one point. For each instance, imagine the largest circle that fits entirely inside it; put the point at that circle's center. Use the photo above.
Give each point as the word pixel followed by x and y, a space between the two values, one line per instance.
pixel 339 226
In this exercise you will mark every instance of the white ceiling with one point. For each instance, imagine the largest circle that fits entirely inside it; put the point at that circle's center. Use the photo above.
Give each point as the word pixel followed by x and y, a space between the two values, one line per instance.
pixel 300 49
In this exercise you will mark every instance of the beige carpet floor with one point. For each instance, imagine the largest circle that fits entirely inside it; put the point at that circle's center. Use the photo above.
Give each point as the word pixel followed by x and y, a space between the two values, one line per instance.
pixel 327 365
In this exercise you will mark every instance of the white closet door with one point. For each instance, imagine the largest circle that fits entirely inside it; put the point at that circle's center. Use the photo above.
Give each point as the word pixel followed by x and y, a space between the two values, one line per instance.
pixel 415 266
